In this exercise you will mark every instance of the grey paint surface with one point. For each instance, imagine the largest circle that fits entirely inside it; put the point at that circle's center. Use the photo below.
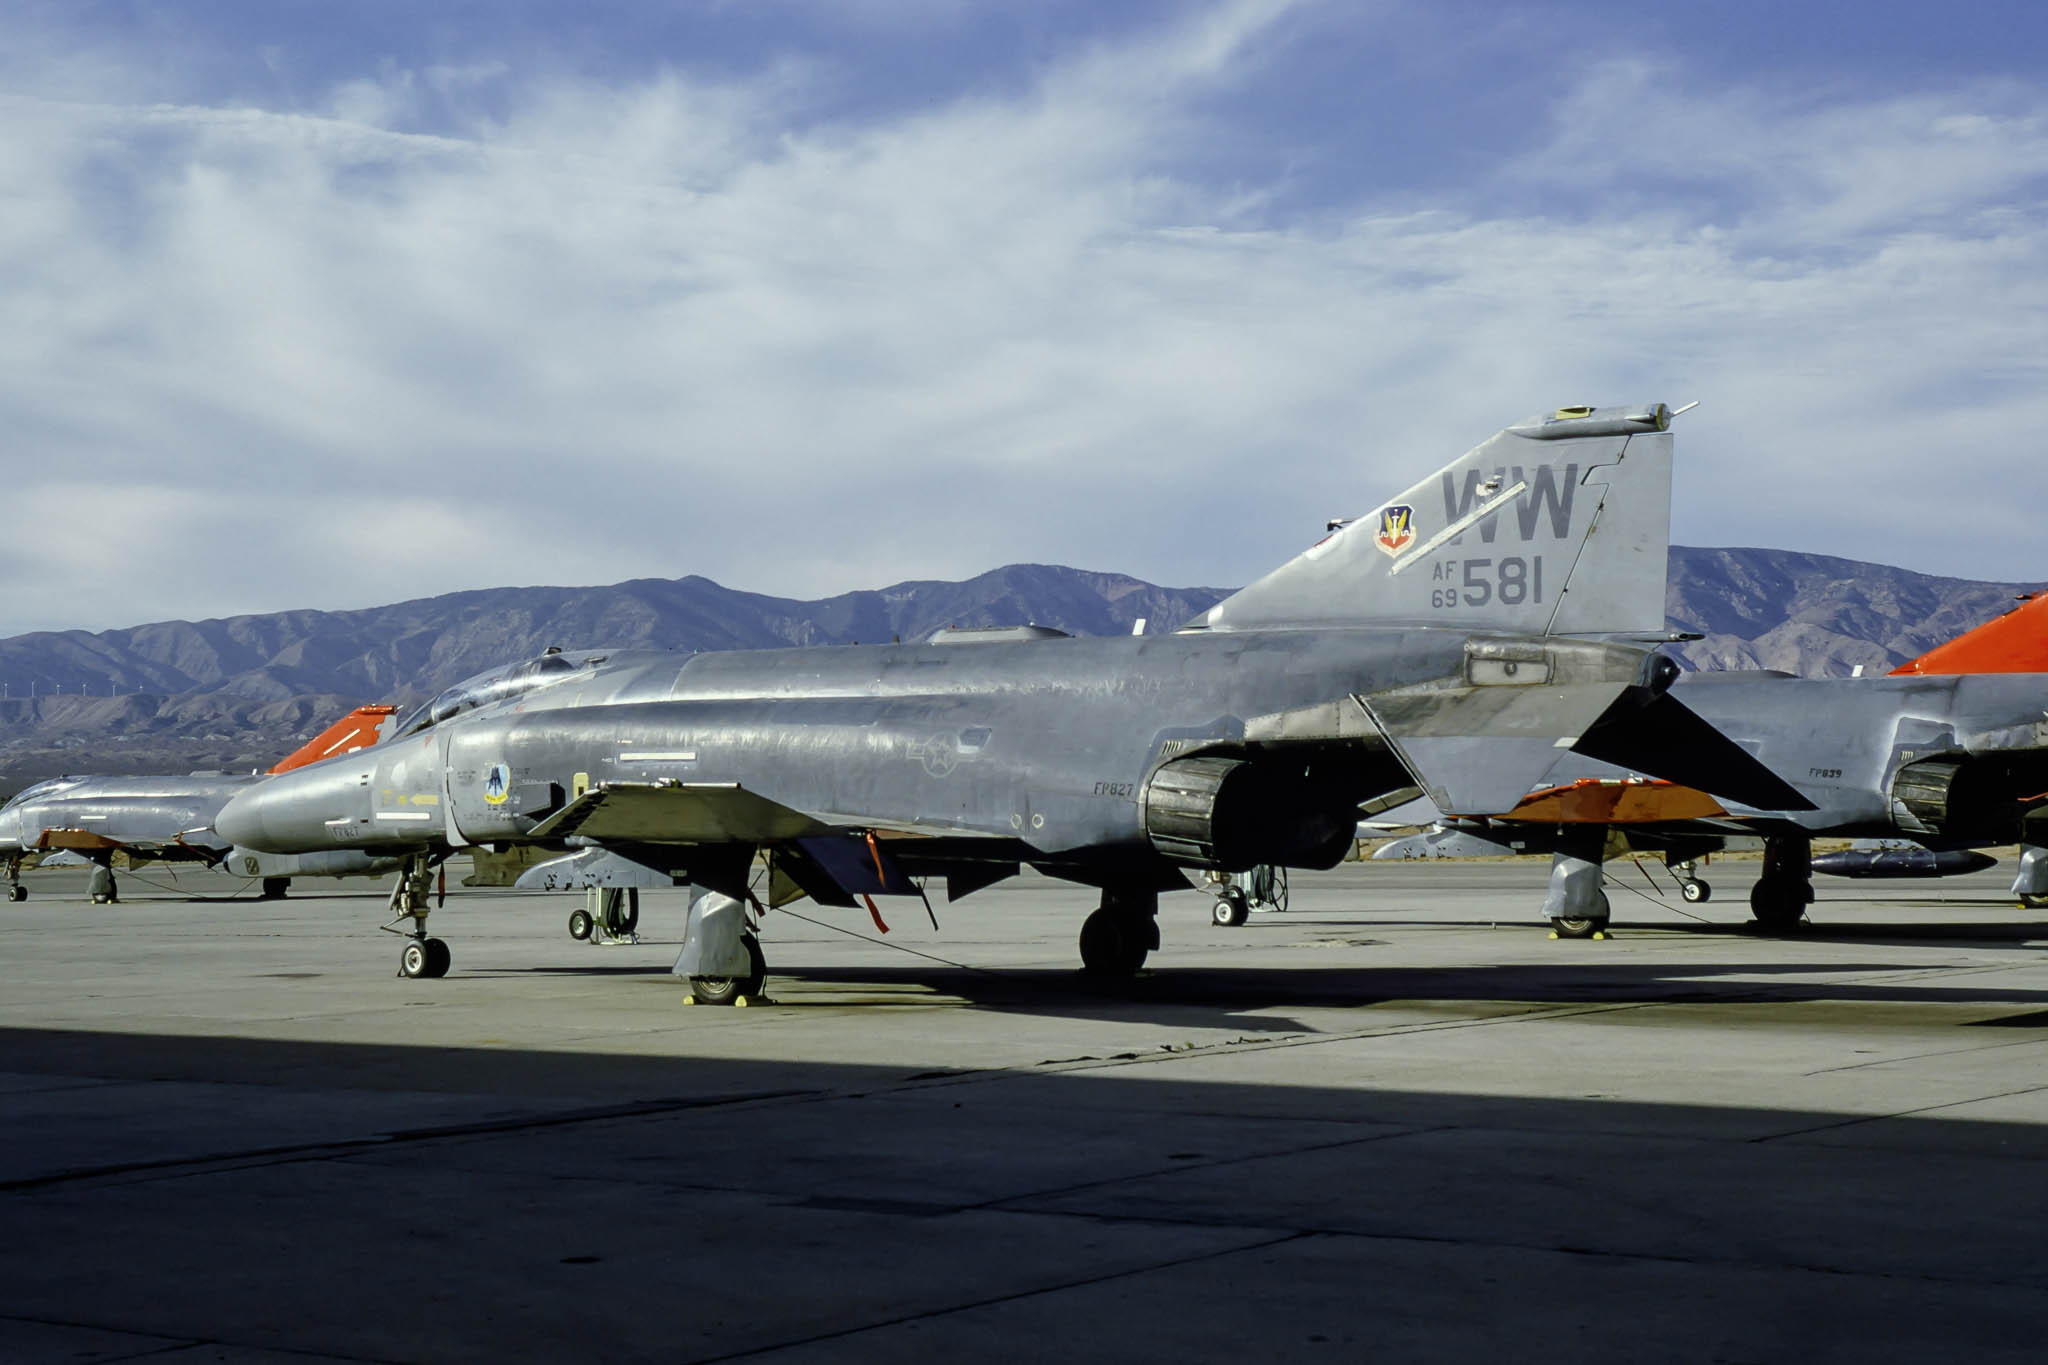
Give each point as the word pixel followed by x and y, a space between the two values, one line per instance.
pixel 1377 1125
pixel 1051 751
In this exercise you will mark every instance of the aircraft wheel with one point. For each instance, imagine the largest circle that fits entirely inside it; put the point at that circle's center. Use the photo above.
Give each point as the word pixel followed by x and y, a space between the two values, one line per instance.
pixel 1111 945
pixel 412 961
pixel 1778 906
pixel 439 959
pixel 17 893
pixel 2030 900
pixel 273 887
pixel 580 924
pixel 1231 909
pixel 725 990
pixel 1694 891
pixel 1582 926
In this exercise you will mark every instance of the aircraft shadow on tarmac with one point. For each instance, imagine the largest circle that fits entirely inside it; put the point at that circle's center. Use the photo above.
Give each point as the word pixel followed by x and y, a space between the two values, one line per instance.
pixel 1242 997
pixel 1463 1218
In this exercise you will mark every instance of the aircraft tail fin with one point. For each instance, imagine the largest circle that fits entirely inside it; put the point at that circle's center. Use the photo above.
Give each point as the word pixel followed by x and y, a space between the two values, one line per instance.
pixel 356 730
pixel 2016 642
pixel 1558 525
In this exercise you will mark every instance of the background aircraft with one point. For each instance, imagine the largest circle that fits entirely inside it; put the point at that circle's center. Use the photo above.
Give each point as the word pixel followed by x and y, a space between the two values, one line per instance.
pixel 1473 630
pixel 1950 750
pixel 170 819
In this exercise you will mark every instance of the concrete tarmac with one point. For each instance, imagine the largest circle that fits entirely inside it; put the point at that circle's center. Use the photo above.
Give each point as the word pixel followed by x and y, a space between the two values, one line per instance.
pixel 1397 1122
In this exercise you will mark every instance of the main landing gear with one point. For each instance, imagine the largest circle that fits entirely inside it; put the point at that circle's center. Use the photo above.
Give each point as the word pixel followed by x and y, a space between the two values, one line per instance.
pixel 1118 935
pixel 410 899
pixel 1575 904
pixel 1781 895
pixel 2031 884
pixel 102 889
pixel 721 957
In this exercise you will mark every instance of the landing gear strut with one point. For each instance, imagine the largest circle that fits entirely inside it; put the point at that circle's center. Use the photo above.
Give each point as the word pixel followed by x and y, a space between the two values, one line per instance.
pixel 1575 904
pixel 410 900
pixel 102 889
pixel 1118 935
pixel 1781 895
pixel 2031 885
pixel 274 887
pixel 15 890
pixel 721 957
pixel 1691 888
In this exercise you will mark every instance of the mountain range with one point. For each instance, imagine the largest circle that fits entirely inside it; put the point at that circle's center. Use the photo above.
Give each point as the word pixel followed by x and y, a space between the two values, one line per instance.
pixel 239 692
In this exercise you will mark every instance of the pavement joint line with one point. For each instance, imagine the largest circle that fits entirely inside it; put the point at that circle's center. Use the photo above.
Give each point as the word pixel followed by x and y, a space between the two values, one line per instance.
pixel 1549 1249
pixel 1277 1154
pixel 990 1301
pixel 1926 1056
pixel 173 1344
pixel 179 1167
pixel 1853 1120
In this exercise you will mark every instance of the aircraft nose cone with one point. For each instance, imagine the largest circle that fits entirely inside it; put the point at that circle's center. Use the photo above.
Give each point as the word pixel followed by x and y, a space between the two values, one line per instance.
pixel 240 821
pixel 289 813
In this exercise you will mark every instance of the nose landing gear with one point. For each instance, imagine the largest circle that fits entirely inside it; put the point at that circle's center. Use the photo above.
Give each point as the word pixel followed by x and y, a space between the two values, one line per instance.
pixel 423 957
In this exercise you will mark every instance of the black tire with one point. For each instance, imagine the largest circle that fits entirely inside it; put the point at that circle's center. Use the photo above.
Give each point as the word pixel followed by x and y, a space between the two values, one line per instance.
pixel 17 893
pixel 438 958
pixel 724 990
pixel 2031 900
pixel 1582 926
pixel 412 960
pixel 580 924
pixel 1778 906
pixel 274 887
pixel 1111 945
pixel 1231 910
pixel 1694 891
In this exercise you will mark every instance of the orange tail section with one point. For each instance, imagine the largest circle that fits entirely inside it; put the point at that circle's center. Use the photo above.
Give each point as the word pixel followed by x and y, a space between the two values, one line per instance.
pixel 356 730
pixel 2016 642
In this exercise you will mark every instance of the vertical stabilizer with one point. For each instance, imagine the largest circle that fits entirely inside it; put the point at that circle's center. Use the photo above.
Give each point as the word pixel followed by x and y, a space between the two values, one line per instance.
pixel 1557 525
pixel 358 729
pixel 2016 642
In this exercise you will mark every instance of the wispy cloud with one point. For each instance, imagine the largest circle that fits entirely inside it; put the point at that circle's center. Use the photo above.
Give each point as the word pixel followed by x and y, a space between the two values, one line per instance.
pixel 469 324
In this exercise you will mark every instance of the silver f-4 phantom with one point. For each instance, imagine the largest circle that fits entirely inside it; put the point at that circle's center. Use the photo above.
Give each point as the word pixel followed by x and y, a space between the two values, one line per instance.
pixel 169 819
pixel 1470 632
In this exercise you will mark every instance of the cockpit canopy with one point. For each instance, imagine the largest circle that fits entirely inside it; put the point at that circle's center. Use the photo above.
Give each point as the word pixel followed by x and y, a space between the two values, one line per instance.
pixel 497 684
pixel 39 790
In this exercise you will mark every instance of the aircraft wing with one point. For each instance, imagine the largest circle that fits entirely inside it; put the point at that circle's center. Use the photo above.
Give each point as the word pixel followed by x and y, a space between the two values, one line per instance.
pixel 711 813
pixel 678 813
pixel 170 850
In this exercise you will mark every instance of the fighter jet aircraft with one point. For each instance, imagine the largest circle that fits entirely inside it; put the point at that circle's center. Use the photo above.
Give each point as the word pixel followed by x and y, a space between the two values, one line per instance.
pixel 1469 633
pixel 1949 751
pixel 169 819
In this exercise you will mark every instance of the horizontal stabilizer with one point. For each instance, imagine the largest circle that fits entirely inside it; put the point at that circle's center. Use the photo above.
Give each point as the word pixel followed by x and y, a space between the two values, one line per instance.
pixel 677 813
pixel 1666 738
pixel 1479 743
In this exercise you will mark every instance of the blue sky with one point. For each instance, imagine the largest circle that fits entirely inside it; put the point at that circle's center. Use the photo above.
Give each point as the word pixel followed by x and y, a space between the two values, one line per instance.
pixel 330 305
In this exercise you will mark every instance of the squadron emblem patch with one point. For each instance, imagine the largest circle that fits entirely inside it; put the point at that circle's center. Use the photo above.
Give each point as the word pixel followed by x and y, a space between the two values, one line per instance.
pixel 1397 529
pixel 497 784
